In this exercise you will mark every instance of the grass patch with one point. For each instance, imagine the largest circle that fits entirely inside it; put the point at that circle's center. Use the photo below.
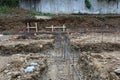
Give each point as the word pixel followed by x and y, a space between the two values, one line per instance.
pixel 4 9
pixel 40 14
pixel 88 4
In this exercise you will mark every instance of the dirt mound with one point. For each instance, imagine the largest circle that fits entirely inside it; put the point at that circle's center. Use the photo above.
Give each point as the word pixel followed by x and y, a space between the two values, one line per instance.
pixel 77 23
pixel 97 47
pixel 11 24
pixel 15 70
pixel 101 67
pixel 18 11
pixel 25 49
pixel 32 48
pixel 82 23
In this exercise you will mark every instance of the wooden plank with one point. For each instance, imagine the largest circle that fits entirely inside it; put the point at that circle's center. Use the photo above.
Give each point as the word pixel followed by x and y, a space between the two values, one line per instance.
pixel 30 27
pixel 57 27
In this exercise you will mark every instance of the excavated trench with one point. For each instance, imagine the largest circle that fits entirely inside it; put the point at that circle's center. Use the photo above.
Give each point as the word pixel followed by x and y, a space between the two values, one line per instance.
pixel 88 62
pixel 33 48
pixel 23 49
pixel 85 62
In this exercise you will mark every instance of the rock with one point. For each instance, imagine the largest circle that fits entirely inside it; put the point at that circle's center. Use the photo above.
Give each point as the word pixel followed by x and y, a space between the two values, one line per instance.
pixel 1 35
pixel 8 64
pixel 117 71
pixel 118 58
pixel 15 74
pixel 29 69
pixel 113 76
pixel 41 46
pixel 19 77
pixel 6 71
pixel 9 73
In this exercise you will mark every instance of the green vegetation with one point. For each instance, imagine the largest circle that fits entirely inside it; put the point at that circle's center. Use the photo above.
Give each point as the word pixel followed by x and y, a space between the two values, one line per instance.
pixel 9 3
pixel 40 14
pixel 88 4
pixel 4 9
pixel 6 5
pixel 108 0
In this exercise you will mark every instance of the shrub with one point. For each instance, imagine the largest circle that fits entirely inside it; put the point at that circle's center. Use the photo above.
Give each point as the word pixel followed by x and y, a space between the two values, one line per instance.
pixel 88 4
pixel 9 3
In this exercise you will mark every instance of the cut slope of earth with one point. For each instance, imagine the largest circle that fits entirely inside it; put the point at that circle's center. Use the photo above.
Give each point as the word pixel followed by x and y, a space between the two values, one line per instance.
pixel 79 23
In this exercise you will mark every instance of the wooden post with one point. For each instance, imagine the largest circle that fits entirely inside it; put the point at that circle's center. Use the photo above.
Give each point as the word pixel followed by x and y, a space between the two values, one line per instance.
pixel 36 26
pixel 52 28
pixel 28 26
pixel 64 28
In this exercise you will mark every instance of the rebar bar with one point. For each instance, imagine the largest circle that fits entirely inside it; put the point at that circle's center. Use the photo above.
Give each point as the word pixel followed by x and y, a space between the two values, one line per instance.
pixel 99 75
pixel 93 69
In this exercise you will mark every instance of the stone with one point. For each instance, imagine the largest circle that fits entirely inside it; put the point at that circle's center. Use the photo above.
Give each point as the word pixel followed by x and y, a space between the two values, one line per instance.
pixel 19 77
pixel 1 35
pixel 6 71
pixel 9 73
pixel 15 74
pixel 117 71
pixel 8 64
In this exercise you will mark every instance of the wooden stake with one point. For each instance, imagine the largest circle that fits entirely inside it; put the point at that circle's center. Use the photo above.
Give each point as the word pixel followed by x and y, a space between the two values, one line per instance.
pixel 36 27
pixel 52 28
pixel 28 26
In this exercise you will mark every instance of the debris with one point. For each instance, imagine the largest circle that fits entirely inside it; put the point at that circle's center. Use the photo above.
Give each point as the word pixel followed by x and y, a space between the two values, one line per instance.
pixel 29 69
pixel 33 64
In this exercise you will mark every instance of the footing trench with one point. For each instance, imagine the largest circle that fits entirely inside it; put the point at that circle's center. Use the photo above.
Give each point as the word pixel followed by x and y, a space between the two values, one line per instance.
pixel 62 61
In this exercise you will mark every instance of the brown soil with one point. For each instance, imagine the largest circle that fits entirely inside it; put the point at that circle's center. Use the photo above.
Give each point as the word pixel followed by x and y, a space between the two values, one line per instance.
pixel 84 23
pixel 13 67
pixel 79 23
pixel 35 48
pixel 11 24
pixel 97 47
pixel 73 23
pixel 101 66
pixel 25 49
pixel 18 11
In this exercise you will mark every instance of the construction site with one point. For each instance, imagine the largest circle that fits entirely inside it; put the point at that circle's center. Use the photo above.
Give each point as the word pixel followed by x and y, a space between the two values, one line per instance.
pixel 61 47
